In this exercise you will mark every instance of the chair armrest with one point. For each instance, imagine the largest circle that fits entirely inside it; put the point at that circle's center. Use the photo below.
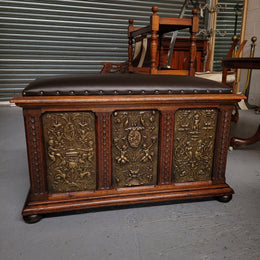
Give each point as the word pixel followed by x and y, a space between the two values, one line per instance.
pixel 112 67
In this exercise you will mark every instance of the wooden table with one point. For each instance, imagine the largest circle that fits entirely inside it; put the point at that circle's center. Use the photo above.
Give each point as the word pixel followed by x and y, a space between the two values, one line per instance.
pixel 242 63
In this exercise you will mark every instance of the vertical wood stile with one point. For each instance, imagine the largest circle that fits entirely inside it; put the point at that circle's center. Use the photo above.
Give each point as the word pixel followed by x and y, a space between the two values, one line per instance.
pixel 221 146
pixel 35 152
pixel 166 147
pixel 104 151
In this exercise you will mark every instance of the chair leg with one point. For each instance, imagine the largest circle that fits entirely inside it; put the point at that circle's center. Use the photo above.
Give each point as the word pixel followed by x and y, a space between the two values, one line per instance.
pixel 235 117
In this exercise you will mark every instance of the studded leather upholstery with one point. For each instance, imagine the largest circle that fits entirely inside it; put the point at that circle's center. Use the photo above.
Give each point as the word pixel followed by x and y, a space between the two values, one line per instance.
pixel 123 84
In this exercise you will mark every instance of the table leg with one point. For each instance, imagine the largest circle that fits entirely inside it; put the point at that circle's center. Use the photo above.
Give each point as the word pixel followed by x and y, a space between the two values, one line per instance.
pixel 238 142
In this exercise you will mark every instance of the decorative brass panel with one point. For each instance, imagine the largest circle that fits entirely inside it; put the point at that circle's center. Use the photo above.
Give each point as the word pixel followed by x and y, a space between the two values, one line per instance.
pixel 135 148
pixel 194 138
pixel 70 148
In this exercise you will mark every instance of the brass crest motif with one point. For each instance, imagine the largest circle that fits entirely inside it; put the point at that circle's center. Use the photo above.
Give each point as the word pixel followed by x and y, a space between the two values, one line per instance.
pixel 135 147
pixel 70 148
pixel 194 144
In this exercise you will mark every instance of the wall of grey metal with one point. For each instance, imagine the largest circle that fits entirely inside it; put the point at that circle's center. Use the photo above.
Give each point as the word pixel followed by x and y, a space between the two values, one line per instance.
pixel 50 37
pixel 225 28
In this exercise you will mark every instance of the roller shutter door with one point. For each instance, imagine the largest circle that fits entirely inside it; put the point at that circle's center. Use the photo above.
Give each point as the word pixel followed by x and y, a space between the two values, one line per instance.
pixel 51 37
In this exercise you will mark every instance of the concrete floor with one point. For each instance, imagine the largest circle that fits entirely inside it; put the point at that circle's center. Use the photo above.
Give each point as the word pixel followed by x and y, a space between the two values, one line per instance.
pixel 193 230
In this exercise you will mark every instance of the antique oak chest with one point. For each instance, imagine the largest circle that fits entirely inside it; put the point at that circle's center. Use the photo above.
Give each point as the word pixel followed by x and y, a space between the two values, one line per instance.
pixel 105 140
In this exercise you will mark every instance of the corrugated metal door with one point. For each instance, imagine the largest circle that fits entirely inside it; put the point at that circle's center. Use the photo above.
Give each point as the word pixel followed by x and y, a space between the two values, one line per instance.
pixel 50 37
pixel 225 29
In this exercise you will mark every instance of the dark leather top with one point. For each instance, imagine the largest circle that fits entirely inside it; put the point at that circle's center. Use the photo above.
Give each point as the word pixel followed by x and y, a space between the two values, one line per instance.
pixel 123 84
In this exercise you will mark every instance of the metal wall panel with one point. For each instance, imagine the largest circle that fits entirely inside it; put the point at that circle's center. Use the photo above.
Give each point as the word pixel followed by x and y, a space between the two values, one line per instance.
pixel 50 37
pixel 225 29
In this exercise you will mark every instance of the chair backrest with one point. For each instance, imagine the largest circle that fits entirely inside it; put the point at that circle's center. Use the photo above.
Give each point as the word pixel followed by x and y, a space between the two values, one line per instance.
pixel 235 54
pixel 140 51
pixel 231 51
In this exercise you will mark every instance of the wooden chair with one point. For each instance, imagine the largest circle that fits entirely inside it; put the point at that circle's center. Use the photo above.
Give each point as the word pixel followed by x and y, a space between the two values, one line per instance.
pixel 229 55
pixel 224 76
pixel 157 28
pixel 152 56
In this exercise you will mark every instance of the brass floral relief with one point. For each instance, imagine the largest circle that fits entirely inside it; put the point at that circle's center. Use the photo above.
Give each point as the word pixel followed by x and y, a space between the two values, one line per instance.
pixel 194 138
pixel 135 147
pixel 70 148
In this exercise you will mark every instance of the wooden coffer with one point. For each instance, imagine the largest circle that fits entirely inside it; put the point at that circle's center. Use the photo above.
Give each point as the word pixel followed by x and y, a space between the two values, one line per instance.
pixel 97 151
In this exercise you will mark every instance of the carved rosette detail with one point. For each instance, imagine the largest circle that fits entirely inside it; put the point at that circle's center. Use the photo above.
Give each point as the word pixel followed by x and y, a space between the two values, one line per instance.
pixel 35 154
pixel 135 148
pixel 70 148
pixel 222 147
pixel 167 127
pixel 194 144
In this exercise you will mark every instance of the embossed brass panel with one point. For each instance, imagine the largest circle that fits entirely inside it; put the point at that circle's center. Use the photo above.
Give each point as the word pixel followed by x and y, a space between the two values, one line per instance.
pixel 70 148
pixel 194 138
pixel 135 147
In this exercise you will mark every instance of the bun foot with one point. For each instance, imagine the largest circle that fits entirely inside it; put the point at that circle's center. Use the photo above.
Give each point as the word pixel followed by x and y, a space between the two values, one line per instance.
pixel 31 219
pixel 224 198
